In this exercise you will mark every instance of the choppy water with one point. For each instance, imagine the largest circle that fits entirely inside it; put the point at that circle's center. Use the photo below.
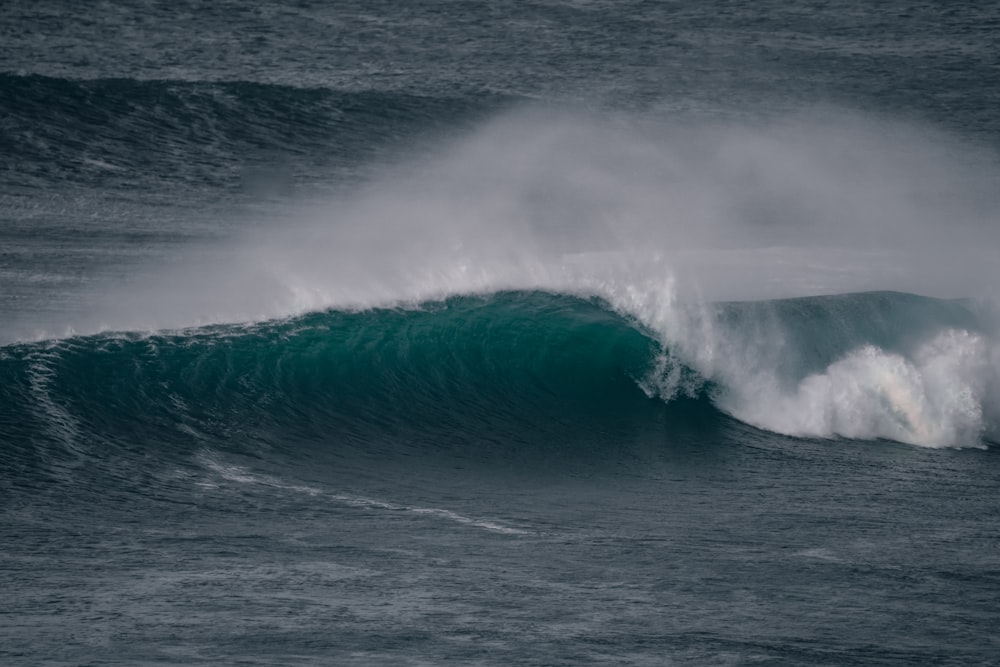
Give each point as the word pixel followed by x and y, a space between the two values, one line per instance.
pixel 539 333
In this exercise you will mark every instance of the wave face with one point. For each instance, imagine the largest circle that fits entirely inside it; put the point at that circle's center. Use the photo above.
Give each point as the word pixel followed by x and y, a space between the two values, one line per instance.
pixel 501 367
pixel 505 370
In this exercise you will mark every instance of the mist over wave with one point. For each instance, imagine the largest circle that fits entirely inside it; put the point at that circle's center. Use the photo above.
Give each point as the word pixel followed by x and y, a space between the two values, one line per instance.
pixel 664 222
pixel 540 199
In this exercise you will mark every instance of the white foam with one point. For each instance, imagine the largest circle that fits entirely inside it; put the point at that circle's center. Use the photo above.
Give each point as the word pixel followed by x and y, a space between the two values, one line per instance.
pixel 942 394
pixel 934 399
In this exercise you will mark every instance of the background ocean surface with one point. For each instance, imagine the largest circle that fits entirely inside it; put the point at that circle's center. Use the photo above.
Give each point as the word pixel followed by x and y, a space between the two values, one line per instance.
pixel 531 333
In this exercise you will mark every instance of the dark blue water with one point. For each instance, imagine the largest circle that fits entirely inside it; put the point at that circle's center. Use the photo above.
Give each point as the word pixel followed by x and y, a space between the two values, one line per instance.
pixel 540 333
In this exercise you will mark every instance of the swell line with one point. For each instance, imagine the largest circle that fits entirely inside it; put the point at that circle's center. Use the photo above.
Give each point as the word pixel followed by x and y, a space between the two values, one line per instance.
pixel 241 475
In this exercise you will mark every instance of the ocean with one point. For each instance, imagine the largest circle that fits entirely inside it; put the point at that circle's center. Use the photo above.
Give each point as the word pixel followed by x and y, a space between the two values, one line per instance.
pixel 550 332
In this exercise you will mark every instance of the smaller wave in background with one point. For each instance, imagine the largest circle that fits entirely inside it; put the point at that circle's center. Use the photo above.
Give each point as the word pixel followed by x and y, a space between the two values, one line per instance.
pixel 148 134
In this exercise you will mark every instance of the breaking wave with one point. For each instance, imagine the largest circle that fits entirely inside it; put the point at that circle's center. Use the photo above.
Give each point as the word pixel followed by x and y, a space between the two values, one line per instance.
pixel 517 366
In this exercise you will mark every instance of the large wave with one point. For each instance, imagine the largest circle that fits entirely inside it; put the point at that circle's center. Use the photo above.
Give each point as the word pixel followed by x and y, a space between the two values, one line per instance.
pixel 509 366
pixel 693 234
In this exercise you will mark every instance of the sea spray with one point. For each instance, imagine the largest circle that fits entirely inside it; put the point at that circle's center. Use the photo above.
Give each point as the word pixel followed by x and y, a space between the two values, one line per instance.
pixel 541 199
pixel 830 367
